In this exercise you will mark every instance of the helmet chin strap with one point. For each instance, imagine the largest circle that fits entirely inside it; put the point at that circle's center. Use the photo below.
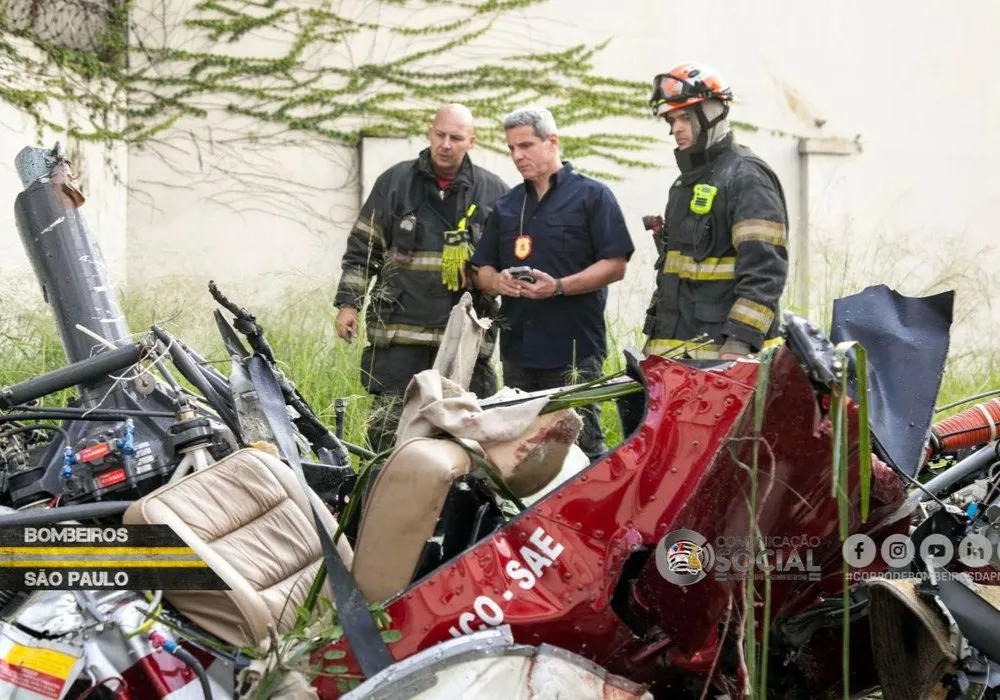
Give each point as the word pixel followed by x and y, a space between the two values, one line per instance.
pixel 695 155
pixel 705 126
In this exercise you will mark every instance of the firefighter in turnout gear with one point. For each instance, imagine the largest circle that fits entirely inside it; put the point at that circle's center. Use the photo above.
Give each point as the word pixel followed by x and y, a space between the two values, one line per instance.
pixel 414 237
pixel 722 242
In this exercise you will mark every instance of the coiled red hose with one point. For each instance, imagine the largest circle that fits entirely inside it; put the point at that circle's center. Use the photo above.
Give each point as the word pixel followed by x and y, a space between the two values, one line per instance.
pixel 974 426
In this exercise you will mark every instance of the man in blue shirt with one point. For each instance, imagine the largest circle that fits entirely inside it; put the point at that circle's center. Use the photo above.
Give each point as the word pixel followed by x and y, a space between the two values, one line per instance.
pixel 570 232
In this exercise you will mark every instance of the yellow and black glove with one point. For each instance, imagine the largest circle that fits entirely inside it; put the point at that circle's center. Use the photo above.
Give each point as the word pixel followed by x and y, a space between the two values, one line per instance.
pixel 456 253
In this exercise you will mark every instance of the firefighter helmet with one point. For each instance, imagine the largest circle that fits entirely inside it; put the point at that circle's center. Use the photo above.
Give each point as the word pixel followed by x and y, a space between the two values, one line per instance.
pixel 686 85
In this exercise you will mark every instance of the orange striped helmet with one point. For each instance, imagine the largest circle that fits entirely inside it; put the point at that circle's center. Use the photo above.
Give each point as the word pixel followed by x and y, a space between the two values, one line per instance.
pixel 685 85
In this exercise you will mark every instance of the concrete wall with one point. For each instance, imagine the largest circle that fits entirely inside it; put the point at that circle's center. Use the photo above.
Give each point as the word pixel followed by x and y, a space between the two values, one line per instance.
pixel 912 206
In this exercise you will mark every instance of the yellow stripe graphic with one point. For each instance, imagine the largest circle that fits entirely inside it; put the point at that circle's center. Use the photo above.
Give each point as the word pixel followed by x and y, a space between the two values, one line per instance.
pixel 110 551
pixel 101 563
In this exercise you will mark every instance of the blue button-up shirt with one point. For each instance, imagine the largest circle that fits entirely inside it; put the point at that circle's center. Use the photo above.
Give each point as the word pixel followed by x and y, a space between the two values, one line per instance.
pixel 577 223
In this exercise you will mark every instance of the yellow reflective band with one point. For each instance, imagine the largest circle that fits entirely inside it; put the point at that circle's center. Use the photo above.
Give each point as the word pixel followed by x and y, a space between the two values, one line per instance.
pixel 421 260
pixel 685 267
pixel 697 351
pixel 405 334
pixel 752 314
pixel 663 346
pixel 370 230
pixel 759 230
pixel 354 279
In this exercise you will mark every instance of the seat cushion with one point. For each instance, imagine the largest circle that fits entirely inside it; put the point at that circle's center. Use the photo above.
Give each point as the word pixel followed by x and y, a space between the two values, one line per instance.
pixel 402 512
pixel 247 517
pixel 533 459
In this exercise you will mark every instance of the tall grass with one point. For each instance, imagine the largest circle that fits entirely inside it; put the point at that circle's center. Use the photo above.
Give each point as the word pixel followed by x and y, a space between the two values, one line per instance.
pixel 29 345
pixel 300 329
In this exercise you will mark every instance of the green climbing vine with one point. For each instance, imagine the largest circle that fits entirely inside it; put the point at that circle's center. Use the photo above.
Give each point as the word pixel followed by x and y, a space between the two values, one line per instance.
pixel 343 71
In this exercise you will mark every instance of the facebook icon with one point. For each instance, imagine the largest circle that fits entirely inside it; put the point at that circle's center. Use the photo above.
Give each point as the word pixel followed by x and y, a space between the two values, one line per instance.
pixel 859 551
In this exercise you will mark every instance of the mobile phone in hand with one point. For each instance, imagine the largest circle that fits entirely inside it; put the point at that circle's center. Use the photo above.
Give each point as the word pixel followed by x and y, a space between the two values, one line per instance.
pixel 522 272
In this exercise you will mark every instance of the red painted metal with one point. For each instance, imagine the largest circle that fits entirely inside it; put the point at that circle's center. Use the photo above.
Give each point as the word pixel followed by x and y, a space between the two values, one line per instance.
pixel 158 674
pixel 551 573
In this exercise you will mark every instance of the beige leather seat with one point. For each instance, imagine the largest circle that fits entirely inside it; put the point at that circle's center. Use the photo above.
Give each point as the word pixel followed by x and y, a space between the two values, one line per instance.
pixel 401 512
pixel 247 517
pixel 405 501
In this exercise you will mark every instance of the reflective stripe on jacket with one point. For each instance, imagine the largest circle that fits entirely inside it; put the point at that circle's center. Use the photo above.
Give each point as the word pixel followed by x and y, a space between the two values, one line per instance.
pixel 723 267
pixel 398 240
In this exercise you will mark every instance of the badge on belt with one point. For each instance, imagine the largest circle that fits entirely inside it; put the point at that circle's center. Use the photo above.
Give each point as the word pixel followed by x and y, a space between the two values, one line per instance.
pixel 522 246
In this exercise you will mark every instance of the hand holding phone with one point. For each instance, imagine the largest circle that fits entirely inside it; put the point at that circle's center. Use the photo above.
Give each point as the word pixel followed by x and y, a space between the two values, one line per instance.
pixel 522 272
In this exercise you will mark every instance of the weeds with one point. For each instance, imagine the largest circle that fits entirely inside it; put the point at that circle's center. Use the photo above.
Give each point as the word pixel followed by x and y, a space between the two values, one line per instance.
pixel 300 329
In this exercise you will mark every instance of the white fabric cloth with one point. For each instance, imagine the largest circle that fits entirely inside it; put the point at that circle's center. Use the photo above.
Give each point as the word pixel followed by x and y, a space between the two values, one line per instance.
pixel 434 405
pixel 456 357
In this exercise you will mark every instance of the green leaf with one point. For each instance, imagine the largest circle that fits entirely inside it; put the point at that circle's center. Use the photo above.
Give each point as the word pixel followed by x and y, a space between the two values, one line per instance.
pixel 334 633
pixel 336 669
pixel 390 636
pixel 334 655
pixel 865 446
pixel 841 448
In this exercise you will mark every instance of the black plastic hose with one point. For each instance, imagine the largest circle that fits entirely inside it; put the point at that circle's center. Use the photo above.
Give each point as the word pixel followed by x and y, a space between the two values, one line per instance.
pixel 83 372
pixel 977 461
pixel 88 413
pixel 32 428
pixel 199 670
pixel 51 516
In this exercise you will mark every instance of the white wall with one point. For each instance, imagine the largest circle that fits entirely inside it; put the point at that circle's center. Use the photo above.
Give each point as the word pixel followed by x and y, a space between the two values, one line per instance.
pixel 912 207
pixel 909 79
pixel 258 221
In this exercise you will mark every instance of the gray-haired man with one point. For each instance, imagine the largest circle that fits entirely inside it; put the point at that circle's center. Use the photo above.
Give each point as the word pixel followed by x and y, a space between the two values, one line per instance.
pixel 569 230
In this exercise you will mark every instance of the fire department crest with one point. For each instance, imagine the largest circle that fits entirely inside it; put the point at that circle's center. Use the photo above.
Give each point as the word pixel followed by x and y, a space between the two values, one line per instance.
pixel 684 557
pixel 522 246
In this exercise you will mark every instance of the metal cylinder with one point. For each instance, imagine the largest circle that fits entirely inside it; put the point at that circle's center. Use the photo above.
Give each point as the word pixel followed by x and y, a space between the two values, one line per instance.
pixel 51 516
pixel 57 239
pixel 88 371
pixel 977 461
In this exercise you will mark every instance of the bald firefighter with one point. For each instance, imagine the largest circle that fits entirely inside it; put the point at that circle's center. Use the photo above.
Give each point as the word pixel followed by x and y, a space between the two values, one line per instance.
pixel 414 236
